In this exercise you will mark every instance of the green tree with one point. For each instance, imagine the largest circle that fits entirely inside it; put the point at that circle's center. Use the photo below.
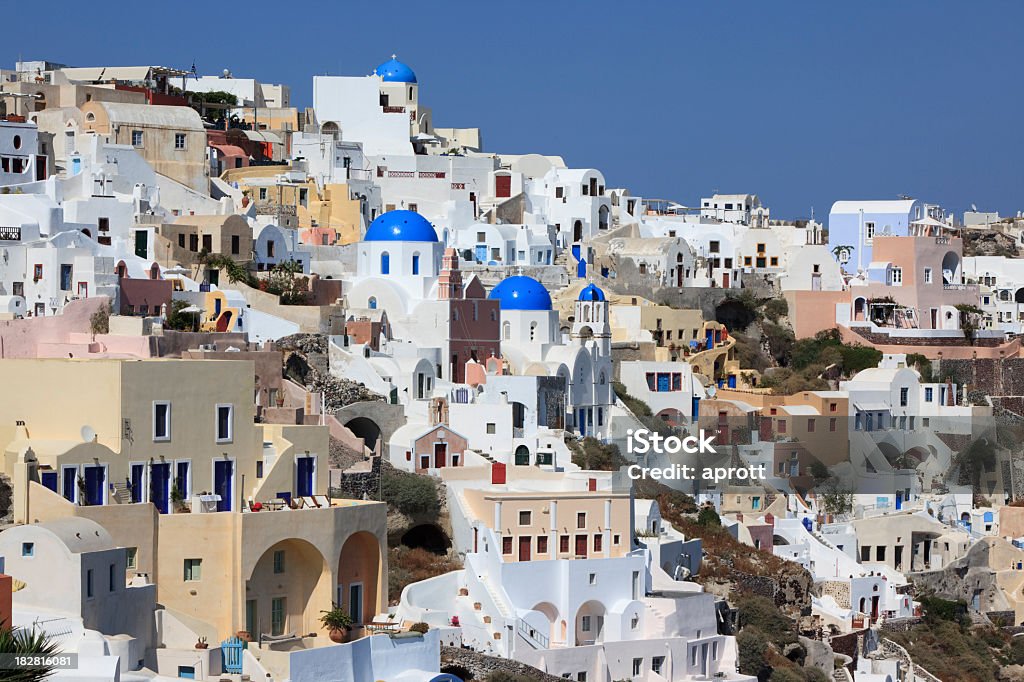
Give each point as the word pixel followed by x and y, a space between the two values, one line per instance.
pixel 708 517
pixel 22 641
pixel 753 652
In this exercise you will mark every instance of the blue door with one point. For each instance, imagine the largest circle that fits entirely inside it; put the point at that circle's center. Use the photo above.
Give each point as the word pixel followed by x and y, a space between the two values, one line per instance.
pixel 710 339
pixel 222 471
pixel 69 483
pixel 160 485
pixel 576 251
pixel 304 475
pixel 899 500
pixel 49 480
pixel 663 383
pixel 732 381
pixel 94 481
pixel 695 407
pixel 480 253
pixel 138 479
pixel 583 422
pixel 581 269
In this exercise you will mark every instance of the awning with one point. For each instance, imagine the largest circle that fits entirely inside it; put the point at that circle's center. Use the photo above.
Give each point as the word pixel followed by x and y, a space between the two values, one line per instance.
pixel 262 136
pixel 871 407
pixel 229 150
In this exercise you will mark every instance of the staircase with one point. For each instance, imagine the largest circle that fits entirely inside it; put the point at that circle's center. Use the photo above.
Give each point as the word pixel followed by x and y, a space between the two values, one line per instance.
pixel 121 493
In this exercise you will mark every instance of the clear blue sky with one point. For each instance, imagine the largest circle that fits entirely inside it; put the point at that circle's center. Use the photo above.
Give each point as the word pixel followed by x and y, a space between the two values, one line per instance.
pixel 801 102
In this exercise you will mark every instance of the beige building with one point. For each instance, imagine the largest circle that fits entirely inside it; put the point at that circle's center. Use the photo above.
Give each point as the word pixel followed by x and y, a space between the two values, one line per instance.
pixel 184 239
pixel 105 432
pixel 171 139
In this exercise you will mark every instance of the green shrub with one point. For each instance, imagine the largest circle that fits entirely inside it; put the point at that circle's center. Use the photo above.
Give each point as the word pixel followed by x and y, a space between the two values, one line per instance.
pixel 421 627
pixel 592 455
pixel 753 652
pixel 708 517
pixel 409 493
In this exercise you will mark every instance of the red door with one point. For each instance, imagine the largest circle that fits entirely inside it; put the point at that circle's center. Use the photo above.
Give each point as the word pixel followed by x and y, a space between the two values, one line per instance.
pixel 725 280
pixel 581 546
pixel 440 454
pixel 503 186
pixel 524 547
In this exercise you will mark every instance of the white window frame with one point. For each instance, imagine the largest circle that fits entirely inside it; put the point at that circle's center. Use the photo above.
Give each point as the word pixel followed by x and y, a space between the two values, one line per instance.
pixel 144 497
pixel 927 275
pixel 183 138
pixel 869 231
pixel 231 423
pixel 295 470
pixel 142 139
pixel 188 479
pixel 166 438
pixel 183 569
pixel 896 276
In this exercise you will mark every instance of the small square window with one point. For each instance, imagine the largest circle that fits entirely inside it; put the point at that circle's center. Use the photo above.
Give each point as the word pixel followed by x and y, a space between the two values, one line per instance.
pixel 592 578
pixel 132 561
pixel 179 140
pixel 136 138
pixel 491 428
pixel 193 570
pixel 525 518
pixel 28 549
pixel 506 545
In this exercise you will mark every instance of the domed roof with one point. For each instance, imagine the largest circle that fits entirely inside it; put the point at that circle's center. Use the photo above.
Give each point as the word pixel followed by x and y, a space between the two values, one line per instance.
pixel 395 71
pixel 521 293
pixel 591 293
pixel 400 226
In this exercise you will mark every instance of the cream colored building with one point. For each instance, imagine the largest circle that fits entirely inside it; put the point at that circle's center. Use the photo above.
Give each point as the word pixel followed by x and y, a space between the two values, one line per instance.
pixel 103 432
pixel 171 139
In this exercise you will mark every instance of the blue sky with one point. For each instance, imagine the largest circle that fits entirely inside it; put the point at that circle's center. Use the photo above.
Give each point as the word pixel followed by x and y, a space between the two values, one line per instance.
pixel 800 102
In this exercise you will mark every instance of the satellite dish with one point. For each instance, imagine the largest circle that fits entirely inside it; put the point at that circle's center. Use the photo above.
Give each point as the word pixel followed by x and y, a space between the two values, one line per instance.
pixel 88 434
pixel 974 207
pixel 712 390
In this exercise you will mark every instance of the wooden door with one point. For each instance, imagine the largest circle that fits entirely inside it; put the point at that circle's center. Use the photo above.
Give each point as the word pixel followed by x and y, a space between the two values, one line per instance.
pixel 524 547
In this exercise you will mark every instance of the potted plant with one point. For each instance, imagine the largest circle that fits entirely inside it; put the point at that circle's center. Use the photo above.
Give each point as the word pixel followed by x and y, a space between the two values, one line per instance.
pixel 201 644
pixel 177 498
pixel 337 622
pixel 244 635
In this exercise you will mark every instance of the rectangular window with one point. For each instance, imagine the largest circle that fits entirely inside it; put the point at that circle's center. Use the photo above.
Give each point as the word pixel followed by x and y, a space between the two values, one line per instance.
pixel 279 561
pixel 563 544
pixel 657 663
pixel 638 666
pixel 111 573
pixel 132 557
pixel 65 277
pixel 506 545
pixel 865 554
pixel 810 426
pixel 542 544
pixel 832 424
pixel 585 624
pixel 225 425
pixel 869 232
pixel 263 193
pixel 929 394
pixel 897 276
pixel 161 421
pixel 880 553
pixel 37 271
pixel 904 395
pixel 525 518
pixel 28 549
pixel 236 244
pixel 927 275
pixel 782 426
pixel 491 428
pixel 193 570
pixel 179 140
pixel 774 261
pixel 713 246
pixel 181 240
pixel 136 138
pixel 581 520
pixel 599 542
pixel 277 613
pixel 747 261
pixel 88 584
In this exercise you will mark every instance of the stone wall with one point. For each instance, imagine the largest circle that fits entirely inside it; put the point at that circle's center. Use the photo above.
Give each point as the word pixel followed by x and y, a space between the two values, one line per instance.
pixel 838 590
pixel 481 666
pixel 357 485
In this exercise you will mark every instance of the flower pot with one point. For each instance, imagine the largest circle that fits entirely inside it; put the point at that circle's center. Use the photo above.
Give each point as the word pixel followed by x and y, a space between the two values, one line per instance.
pixel 338 635
pixel 202 645
pixel 244 635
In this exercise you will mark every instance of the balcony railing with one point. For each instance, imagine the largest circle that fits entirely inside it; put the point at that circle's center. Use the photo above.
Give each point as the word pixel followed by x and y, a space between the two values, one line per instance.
pixel 531 635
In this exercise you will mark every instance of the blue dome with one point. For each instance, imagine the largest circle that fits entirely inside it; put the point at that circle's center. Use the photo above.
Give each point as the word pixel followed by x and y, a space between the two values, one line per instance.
pixel 400 226
pixel 591 293
pixel 394 71
pixel 521 293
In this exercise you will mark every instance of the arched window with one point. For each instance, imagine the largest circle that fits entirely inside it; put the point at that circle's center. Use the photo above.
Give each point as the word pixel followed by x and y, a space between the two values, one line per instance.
pixel 586 313
pixel 415 263
pixel 506 331
pixel 385 263
pixel 372 303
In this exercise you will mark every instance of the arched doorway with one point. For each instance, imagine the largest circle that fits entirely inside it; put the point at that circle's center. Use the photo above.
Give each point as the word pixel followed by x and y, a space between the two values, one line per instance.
pixel 555 633
pixel 1018 297
pixel 590 623
pixel 224 321
pixel 860 306
pixel 286 590
pixel 577 231
pixel 367 429
pixel 359 567
pixel 522 456
pixel 429 537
